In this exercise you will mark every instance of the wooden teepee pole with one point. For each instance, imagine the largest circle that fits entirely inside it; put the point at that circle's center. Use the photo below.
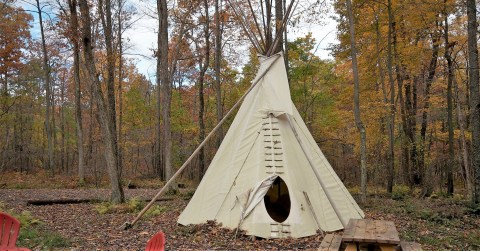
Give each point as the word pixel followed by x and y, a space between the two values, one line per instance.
pixel 241 18
pixel 256 24
pixel 127 225
pixel 282 28
pixel 317 174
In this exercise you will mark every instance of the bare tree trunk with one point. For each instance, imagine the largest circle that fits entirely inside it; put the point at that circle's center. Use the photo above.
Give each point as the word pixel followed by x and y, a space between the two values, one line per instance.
pixel 46 69
pixel 5 95
pixel 120 86
pixel 474 95
pixel 391 122
pixel 89 158
pixel 111 107
pixel 204 63
pixel 463 141
pixel 399 71
pixel 406 142
pixel 411 111
pixel 356 103
pixel 201 122
pixel 218 63
pixel 450 76
pixel 162 57
pixel 76 77
pixel 420 176
pixel 15 141
pixel 381 78
pixel 158 129
pixel 278 24
pixel 268 30
pixel 62 123
pixel 117 195
pixel 53 126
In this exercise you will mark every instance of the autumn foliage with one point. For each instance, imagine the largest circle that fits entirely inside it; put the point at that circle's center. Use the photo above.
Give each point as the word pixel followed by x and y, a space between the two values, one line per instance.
pixel 404 49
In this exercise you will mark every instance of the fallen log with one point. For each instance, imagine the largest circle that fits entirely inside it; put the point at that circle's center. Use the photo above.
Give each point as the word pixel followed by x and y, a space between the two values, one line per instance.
pixel 60 201
pixel 79 201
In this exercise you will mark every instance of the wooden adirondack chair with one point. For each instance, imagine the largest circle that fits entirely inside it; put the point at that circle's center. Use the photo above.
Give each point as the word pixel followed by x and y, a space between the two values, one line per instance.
pixel 9 229
pixel 156 243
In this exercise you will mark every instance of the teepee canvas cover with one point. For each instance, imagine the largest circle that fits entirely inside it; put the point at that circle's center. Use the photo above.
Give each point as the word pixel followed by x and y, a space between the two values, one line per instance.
pixel 269 177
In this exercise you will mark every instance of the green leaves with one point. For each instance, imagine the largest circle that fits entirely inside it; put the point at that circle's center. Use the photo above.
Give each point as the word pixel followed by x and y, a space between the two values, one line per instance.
pixel 313 85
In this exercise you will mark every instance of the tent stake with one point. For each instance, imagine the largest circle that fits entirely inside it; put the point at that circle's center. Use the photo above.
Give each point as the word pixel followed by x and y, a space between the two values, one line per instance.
pixel 128 225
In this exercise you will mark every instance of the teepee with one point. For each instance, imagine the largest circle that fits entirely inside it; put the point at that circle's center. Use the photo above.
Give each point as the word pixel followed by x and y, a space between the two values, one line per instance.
pixel 269 177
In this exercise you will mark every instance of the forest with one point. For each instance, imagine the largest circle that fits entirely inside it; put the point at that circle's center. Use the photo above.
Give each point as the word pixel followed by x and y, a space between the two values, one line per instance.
pixel 395 108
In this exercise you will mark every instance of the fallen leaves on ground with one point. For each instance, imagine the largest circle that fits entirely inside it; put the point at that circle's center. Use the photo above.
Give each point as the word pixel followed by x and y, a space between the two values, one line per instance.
pixel 87 229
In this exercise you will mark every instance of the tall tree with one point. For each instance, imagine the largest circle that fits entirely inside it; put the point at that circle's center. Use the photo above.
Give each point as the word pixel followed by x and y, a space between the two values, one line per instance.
pixel 105 9
pixel 163 78
pixel 103 117
pixel 74 35
pixel 46 70
pixel 424 169
pixel 448 56
pixel 204 62
pixel 63 161
pixel 399 73
pixel 356 103
pixel 379 60
pixel 217 67
pixel 463 142
pixel 161 66
pixel 14 37
pixel 278 24
pixel 120 85
pixel 267 23
pixel 474 94
pixel 391 120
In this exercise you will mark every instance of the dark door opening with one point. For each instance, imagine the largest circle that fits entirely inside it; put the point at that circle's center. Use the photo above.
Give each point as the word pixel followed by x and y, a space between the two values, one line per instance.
pixel 277 201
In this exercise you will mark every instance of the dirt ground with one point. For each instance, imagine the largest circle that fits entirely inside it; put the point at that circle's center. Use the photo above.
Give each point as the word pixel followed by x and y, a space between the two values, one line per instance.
pixel 87 229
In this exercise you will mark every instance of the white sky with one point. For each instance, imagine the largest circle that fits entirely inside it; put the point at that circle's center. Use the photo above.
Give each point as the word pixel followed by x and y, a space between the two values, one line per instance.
pixel 142 36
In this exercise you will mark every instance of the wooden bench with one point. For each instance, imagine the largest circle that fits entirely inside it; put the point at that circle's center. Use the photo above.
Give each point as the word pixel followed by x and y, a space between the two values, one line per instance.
pixel 331 242
pixel 410 246
pixel 361 233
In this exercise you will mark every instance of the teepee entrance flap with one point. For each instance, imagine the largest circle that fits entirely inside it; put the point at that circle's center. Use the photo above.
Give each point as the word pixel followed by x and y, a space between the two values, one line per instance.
pixel 250 199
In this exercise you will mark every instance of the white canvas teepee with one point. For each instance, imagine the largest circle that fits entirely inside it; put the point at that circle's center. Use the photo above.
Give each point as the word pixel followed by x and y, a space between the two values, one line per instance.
pixel 269 177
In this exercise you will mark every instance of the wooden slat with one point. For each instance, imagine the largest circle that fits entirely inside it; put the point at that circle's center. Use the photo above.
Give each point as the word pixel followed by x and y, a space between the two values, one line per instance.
pixel 336 243
pixel 326 242
pixel 392 233
pixel 331 242
pixel 380 229
pixel 360 230
pixel 370 231
pixel 349 232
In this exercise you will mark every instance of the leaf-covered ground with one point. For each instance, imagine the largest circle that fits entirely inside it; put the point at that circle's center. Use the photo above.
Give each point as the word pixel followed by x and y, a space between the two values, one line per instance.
pixel 438 224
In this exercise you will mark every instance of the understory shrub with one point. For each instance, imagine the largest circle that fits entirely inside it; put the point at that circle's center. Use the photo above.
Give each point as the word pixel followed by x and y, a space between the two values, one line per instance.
pixel 400 192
